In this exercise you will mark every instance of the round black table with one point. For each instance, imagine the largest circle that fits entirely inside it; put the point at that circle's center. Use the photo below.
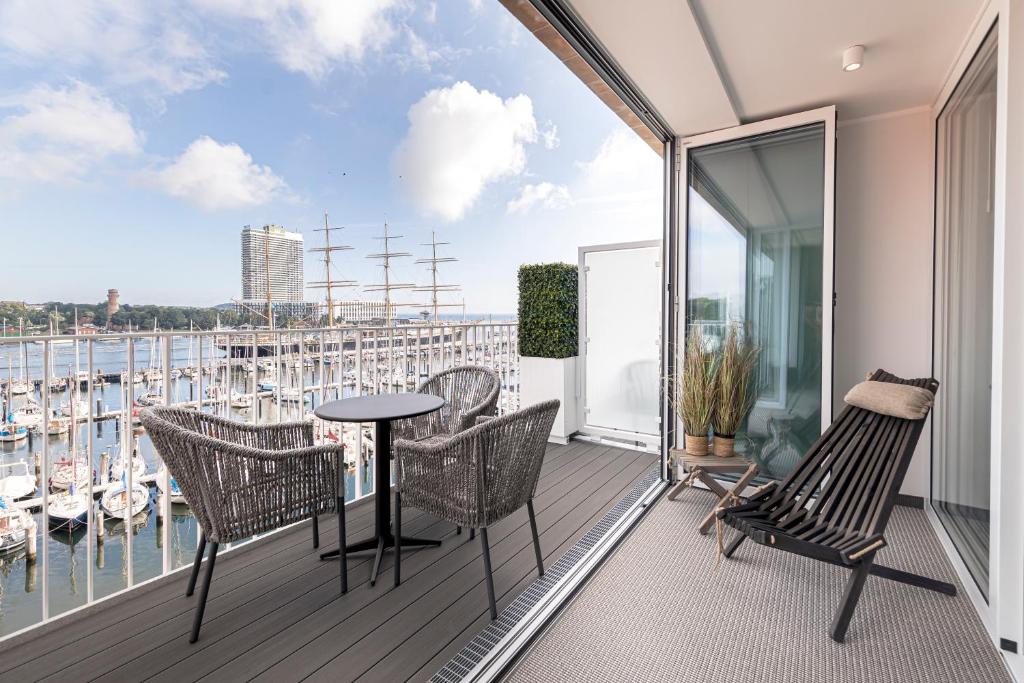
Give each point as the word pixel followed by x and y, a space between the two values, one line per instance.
pixel 381 410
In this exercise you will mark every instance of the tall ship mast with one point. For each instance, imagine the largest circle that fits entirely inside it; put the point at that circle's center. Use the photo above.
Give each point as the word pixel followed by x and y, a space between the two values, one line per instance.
pixel 434 287
pixel 329 282
pixel 388 286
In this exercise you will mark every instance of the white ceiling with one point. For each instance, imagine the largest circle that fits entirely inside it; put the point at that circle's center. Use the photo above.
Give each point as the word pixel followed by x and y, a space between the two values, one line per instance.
pixel 658 43
pixel 729 61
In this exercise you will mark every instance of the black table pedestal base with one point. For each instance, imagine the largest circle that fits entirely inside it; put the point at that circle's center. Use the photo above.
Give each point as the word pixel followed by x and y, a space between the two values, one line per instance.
pixel 380 544
pixel 383 537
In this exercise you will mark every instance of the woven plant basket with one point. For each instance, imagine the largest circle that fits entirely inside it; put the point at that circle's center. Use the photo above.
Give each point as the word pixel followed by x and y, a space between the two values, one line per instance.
pixel 696 445
pixel 724 446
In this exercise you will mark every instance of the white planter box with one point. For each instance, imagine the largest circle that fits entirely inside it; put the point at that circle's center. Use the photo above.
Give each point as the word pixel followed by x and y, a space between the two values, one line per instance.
pixel 542 379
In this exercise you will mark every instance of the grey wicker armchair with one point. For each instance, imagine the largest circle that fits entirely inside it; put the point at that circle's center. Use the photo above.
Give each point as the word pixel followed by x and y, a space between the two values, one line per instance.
pixel 469 392
pixel 477 477
pixel 242 479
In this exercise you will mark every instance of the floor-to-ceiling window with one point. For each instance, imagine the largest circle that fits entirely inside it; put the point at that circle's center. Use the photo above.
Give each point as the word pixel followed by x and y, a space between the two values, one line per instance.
pixel 963 330
pixel 755 254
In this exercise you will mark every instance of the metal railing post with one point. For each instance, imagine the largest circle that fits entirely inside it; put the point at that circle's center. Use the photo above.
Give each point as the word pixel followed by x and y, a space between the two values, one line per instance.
pixel 90 519
pixel 164 499
pixel 255 358
pixel 127 440
pixel 280 380
pixel 44 480
pixel 302 375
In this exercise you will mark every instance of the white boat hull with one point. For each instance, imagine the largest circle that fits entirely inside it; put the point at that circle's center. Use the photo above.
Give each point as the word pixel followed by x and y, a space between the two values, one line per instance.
pixel 14 527
pixel 70 510
pixel 177 497
pixel 115 501
pixel 13 433
pixel 63 471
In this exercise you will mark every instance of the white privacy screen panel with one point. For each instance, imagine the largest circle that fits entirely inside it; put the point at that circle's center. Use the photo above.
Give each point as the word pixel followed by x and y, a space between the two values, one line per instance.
pixel 622 333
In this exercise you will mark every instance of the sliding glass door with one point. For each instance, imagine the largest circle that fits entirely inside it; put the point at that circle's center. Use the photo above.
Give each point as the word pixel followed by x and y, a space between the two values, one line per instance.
pixel 759 257
pixel 963 312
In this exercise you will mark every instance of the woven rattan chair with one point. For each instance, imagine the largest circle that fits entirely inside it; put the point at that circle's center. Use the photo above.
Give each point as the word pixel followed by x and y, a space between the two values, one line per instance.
pixel 835 505
pixel 241 480
pixel 469 392
pixel 477 477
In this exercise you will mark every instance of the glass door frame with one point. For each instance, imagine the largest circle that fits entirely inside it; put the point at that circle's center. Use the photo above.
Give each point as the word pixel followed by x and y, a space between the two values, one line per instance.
pixel 941 311
pixel 1003 611
pixel 822 115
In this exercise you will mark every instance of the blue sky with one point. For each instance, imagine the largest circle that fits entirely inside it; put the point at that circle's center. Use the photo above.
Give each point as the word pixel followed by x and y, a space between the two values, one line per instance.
pixel 137 138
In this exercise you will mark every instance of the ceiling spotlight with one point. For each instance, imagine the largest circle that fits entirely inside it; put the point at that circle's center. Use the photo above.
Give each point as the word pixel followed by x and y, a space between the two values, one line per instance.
pixel 853 58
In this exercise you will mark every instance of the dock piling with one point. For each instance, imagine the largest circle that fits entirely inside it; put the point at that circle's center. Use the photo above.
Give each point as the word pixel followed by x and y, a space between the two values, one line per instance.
pixel 30 542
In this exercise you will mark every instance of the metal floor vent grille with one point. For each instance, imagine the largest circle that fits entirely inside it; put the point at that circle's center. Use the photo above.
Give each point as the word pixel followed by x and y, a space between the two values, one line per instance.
pixel 484 642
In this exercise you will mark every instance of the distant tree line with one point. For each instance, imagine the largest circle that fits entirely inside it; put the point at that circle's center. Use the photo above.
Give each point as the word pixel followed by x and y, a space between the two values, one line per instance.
pixel 140 317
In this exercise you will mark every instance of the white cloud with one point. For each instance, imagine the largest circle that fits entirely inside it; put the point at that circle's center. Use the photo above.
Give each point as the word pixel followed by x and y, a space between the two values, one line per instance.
pixel 130 41
pixel 310 36
pixel 212 176
pixel 459 140
pixel 420 53
pixel 430 12
pixel 550 135
pixel 62 133
pixel 624 174
pixel 544 194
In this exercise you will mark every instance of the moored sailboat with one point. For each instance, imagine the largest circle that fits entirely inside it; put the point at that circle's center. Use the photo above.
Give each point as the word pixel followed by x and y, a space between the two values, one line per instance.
pixel 118 502
pixel 14 526
pixel 16 480
pixel 70 509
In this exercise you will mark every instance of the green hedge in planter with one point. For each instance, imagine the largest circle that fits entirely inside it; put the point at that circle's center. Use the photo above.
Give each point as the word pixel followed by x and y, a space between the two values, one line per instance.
pixel 548 310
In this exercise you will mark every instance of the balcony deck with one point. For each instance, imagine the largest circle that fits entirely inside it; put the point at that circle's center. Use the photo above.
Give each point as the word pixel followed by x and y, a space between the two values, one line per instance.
pixel 274 611
pixel 761 616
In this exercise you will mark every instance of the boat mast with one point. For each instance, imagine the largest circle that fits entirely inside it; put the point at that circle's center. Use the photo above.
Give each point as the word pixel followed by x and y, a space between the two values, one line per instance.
pixel 434 288
pixel 21 348
pixel 266 258
pixel 329 283
pixel 388 286
pixel 78 364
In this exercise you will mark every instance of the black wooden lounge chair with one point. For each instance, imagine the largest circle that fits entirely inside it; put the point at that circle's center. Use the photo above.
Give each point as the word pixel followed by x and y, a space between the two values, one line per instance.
pixel 835 505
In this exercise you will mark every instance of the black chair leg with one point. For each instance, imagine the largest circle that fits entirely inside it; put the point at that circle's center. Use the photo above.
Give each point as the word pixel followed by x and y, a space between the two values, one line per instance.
pixel 197 622
pixel 472 534
pixel 398 538
pixel 851 596
pixel 487 571
pixel 458 530
pixel 316 532
pixel 734 544
pixel 536 539
pixel 342 546
pixel 195 565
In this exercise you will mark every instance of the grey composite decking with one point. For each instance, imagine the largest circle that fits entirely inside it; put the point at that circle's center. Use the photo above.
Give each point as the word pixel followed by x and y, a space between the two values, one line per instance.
pixel 275 613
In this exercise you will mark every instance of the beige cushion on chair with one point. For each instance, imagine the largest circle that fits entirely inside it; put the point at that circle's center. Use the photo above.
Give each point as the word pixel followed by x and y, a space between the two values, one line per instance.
pixel 899 400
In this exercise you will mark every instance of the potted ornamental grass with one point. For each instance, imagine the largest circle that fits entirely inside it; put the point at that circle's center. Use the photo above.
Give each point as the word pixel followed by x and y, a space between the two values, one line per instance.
pixel 696 391
pixel 734 389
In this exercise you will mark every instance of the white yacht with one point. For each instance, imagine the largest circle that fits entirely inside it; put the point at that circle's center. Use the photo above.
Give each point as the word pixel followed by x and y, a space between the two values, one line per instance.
pixel 16 480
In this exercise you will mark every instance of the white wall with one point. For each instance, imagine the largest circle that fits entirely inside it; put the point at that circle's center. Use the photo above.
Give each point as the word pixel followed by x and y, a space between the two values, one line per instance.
pixel 883 256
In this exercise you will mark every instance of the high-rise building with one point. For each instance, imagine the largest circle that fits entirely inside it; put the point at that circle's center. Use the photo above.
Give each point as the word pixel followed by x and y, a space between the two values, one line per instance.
pixel 283 264
pixel 273 252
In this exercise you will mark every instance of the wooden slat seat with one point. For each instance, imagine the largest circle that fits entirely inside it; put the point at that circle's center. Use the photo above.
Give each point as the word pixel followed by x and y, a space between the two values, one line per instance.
pixel 835 504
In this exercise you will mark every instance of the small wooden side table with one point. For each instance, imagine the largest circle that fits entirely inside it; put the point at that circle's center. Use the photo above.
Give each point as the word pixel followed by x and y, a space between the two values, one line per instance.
pixel 701 467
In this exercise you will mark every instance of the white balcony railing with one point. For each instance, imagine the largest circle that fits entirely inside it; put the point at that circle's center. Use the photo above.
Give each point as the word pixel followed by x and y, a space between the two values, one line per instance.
pixel 78 400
